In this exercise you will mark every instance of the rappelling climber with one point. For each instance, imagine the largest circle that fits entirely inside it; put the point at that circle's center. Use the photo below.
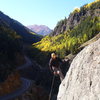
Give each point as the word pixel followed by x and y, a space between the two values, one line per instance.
pixel 54 64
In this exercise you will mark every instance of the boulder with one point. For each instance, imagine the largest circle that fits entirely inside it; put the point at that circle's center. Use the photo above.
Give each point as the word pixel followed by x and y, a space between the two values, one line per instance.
pixel 82 81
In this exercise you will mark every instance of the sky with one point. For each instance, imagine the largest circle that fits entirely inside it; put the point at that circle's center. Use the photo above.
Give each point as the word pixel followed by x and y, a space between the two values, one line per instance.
pixel 40 12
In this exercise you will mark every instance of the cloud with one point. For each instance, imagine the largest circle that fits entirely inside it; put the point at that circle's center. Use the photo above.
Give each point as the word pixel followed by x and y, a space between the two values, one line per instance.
pixel 76 7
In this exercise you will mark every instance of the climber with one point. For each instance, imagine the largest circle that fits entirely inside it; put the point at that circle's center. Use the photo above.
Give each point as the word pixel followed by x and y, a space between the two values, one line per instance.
pixel 54 64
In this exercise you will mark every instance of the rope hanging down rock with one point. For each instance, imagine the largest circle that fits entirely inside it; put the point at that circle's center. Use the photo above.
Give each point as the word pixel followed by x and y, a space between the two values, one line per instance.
pixel 51 87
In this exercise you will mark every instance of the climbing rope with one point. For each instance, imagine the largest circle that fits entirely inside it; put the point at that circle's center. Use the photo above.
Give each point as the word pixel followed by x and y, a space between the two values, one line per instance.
pixel 51 87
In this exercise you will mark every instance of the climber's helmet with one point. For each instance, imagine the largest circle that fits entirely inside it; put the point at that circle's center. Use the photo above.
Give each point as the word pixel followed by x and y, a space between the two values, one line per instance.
pixel 53 55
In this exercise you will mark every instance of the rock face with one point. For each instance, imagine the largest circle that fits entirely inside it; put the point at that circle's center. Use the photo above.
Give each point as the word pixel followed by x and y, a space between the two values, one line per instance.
pixel 82 81
pixel 76 17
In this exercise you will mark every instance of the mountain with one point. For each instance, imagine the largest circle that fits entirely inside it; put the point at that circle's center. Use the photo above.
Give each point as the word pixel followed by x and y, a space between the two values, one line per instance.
pixel 10 45
pixel 40 29
pixel 82 80
pixel 20 29
pixel 70 33
pixel 76 17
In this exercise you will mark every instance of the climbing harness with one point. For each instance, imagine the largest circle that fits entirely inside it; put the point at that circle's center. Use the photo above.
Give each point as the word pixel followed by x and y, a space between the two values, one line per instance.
pixel 51 87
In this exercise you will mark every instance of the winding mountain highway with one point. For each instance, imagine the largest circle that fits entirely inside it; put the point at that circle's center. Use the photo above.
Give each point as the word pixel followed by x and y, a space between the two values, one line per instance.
pixel 27 64
pixel 26 84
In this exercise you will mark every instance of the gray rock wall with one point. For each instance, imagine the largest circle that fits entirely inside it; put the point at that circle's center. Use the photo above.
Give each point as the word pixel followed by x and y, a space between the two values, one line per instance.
pixel 82 82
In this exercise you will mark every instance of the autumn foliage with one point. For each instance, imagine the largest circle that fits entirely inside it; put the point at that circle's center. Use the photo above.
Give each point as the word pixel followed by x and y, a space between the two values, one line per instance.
pixel 12 83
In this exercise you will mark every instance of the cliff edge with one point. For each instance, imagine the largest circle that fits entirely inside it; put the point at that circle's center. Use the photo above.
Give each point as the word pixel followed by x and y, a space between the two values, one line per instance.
pixel 82 82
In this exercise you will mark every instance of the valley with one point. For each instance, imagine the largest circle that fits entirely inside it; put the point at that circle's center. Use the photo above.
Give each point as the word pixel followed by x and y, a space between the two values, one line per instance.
pixel 25 52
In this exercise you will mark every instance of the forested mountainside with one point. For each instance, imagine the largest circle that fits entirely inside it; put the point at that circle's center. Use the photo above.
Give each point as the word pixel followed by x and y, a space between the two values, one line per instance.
pixel 81 25
pixel 13 36
pixel 24 32
pixel 10 46
pixel 77 16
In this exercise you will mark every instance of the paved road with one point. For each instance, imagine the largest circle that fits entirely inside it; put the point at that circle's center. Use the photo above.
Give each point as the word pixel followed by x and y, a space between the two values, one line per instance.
pixel 25 86
pixel 27 64
pixel 25 83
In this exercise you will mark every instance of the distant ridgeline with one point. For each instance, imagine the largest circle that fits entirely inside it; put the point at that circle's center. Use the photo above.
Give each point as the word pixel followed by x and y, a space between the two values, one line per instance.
pixel 27 35
pixel 69 34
